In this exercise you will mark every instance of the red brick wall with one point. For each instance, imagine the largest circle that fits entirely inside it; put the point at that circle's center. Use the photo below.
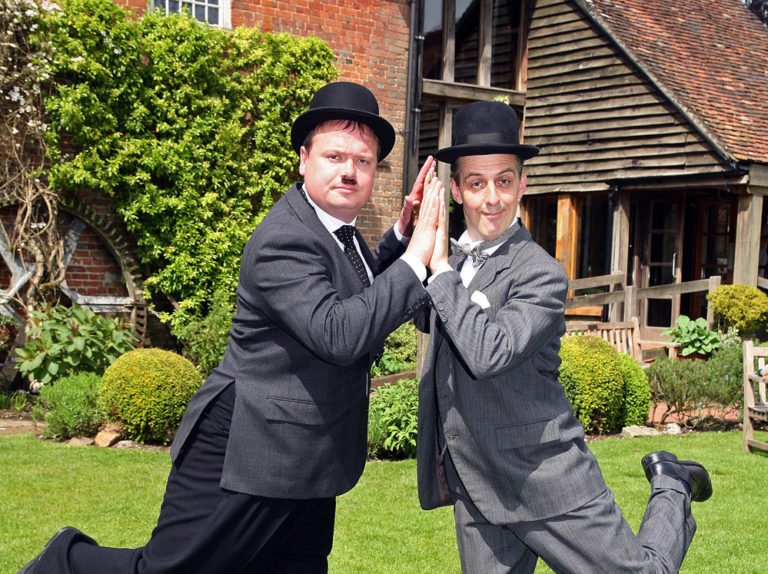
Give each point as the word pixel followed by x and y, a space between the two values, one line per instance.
pixel 93 270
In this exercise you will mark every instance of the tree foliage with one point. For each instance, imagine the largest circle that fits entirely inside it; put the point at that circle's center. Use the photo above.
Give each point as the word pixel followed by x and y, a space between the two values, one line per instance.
pixel 186 126
pixel 32 236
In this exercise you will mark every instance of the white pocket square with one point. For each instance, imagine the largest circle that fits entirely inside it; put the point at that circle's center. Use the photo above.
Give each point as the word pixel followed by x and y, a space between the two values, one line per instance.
pixel 480 298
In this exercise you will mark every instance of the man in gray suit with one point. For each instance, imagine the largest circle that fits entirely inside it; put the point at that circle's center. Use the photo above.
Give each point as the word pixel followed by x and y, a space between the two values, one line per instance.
pixel 279 428
pixel 497 437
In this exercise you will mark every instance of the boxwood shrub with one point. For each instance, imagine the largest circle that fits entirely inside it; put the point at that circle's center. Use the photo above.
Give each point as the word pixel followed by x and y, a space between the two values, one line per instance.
pixel 742 307
pixel 147 391
pixel 592 375
pixel 637 393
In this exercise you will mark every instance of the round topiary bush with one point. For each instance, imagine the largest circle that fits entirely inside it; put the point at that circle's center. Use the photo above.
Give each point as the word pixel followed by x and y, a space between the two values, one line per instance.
pixel 637 393
pixel 592 376
pixel 147 391
pixel 742 307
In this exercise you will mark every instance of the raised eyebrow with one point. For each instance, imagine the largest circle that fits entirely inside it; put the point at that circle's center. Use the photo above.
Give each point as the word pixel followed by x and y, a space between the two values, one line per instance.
pixel 511 170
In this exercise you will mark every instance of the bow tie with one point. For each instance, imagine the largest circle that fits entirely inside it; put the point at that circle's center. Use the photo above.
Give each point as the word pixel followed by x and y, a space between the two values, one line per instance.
pixel 478 252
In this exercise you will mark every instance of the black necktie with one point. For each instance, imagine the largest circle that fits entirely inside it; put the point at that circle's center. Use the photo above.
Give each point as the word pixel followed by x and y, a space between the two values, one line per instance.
pixel 346 234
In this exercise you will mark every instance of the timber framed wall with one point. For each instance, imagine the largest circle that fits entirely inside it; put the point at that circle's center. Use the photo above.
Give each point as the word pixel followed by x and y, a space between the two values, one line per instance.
pixel 595 116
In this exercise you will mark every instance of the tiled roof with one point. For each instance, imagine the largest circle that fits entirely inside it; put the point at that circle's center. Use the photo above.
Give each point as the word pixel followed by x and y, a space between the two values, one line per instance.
pixel 710 57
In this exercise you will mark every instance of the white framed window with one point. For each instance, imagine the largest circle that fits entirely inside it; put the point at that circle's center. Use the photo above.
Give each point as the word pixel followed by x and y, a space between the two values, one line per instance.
pixel 213 12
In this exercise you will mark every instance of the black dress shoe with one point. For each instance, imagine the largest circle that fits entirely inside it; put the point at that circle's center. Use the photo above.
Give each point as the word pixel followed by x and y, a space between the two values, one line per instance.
pixel 31 567
pixel 691 473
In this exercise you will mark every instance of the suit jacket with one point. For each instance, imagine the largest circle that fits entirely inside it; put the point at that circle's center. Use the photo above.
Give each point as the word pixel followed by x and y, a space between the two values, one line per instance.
pixel 301 344
pixel 490 382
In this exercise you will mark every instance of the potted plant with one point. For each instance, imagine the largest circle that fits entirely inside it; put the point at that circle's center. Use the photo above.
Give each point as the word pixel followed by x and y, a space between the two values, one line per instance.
pixel 696 341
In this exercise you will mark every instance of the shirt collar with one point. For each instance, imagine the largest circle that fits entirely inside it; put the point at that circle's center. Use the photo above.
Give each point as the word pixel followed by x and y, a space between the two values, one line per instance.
pixel 465 240
pixel 330 222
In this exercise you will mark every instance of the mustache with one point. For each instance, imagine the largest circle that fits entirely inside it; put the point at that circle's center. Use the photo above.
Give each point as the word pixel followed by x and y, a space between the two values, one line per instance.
pixel 348 180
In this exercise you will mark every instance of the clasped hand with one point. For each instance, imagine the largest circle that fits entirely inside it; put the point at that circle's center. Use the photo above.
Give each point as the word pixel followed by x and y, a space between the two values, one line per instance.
pixel 429 237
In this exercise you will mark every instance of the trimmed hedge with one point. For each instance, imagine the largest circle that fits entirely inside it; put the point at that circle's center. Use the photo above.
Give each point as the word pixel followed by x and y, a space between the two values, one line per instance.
pixel 637 393
pixel 592 375
pixel 742 307
pixel 147 391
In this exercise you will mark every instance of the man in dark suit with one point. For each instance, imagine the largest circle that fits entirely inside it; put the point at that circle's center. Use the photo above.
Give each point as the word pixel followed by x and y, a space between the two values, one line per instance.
pixel 497 437
pixel 279 428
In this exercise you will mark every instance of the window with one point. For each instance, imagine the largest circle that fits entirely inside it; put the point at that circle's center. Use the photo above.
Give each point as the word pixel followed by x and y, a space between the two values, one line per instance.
pixel 213 12
pixel 541 220
pixel 594 247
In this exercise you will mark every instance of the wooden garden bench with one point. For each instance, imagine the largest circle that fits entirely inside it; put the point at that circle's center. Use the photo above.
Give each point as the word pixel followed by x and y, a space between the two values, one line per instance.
pixel 755 403
pixel 623 335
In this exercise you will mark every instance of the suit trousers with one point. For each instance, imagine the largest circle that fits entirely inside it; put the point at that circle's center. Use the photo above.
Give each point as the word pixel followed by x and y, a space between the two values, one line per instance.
pixel 591 539
pixel 203 528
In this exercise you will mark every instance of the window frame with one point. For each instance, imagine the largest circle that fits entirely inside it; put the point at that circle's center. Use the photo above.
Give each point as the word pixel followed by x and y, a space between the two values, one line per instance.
pixel 225 11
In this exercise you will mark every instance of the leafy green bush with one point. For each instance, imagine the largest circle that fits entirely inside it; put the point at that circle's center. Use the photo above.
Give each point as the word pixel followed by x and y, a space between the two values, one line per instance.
pixel 637 393
pixel 723 384
pixel 591 373
pixel 205 339
pixel 186 126
pixel 65 340
pixel 392 420
pixel 399 352
pixel 147 391
pixel 693 336
pixel 679 384
pixel 72 404
pixel 742 307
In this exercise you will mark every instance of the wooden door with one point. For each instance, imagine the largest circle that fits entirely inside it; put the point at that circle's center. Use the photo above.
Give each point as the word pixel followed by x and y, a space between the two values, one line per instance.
pixel 715 239
pixel 661 241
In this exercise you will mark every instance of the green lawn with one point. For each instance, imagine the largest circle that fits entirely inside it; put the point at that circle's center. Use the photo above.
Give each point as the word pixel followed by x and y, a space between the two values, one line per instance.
pixel 114 496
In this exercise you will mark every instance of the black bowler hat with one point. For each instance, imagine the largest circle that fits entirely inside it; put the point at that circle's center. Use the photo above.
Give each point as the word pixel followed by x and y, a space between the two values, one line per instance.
pixel 344 101
pixel 482 128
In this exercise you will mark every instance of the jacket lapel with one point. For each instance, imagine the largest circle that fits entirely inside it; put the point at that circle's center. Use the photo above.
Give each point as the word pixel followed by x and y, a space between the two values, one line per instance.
pixel 307 215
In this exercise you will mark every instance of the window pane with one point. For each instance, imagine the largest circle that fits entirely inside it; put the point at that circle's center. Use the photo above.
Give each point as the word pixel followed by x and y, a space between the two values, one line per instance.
pixel 160 4
pixel 173 6
pixel 213 16
pixel 187 7
pixel 594 242
pixel 433 39
pixel 200 12
pixel 659 313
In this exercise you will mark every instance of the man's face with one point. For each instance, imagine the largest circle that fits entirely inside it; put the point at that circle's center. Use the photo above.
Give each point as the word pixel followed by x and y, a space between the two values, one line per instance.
pixel 339 168
pixel 489 188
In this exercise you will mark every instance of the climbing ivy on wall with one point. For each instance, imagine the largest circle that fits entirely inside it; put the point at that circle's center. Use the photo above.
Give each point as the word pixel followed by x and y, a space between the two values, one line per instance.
pixel 185 125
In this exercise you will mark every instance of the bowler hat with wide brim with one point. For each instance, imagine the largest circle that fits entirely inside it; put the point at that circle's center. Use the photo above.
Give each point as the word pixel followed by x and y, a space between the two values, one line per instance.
pixel 344 101
pixel 483 128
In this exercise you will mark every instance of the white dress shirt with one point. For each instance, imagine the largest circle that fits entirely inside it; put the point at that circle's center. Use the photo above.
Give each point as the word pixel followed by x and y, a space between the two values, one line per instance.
pixel 332 223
